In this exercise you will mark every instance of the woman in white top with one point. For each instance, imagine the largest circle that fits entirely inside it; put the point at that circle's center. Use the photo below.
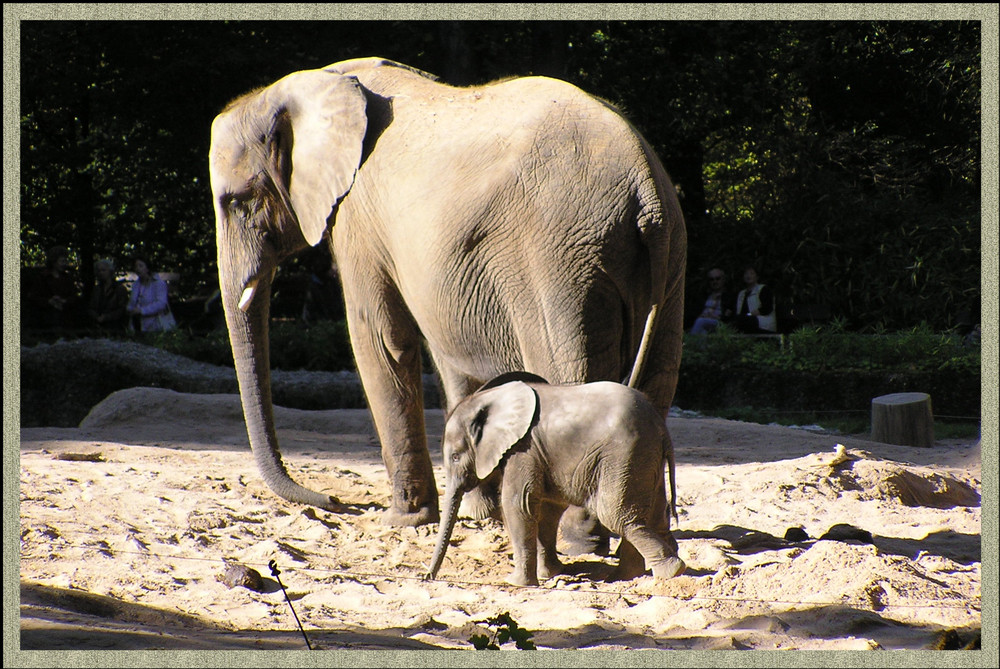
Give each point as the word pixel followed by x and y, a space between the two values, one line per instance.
pixel 755 306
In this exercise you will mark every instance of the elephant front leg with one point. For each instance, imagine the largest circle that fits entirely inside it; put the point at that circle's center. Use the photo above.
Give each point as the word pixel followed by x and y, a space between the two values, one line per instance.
pixel 483 501
pixel 520 514
pixel 548 528
pixel 388 361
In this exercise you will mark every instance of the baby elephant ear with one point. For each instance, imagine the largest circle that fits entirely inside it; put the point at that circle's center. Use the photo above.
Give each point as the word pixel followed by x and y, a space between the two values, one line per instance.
pixel 502 419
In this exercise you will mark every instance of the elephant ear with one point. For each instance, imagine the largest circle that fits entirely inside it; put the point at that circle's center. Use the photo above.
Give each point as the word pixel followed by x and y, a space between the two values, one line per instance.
pixel 328 121
pixel 502 418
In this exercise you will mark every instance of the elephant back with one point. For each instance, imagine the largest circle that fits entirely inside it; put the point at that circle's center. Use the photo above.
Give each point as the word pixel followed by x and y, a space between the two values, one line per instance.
pixel 508 377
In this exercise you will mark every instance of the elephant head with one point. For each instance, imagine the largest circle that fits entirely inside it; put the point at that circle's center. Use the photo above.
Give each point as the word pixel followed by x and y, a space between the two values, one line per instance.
pixel 266 211
pixel 480 432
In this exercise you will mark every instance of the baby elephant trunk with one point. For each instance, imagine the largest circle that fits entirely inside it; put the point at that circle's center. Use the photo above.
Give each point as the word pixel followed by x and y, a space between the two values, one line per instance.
pixel 452 500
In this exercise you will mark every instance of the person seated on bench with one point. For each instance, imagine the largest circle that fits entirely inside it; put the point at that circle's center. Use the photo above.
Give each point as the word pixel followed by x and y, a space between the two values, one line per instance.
pixel 720 305
pixel 755 306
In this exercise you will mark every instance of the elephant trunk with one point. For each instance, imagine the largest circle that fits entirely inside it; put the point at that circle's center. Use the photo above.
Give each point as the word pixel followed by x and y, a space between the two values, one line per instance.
pixel 453 499
pixel 247 315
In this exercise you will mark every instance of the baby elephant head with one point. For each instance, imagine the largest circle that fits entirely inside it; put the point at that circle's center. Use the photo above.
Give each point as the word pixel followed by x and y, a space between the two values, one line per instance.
pixel 481 430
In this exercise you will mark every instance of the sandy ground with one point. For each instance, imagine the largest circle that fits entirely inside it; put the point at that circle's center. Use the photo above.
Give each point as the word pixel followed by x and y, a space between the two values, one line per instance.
pixel 129 522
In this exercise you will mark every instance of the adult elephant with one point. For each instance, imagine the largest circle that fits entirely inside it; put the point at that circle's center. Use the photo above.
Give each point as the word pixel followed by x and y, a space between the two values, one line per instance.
pixel 521 225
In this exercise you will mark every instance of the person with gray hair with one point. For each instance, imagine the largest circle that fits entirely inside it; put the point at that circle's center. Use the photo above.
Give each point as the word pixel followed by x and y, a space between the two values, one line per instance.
pixel 109 299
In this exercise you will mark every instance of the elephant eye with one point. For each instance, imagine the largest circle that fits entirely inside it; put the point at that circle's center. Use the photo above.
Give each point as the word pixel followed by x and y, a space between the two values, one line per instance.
pixel 455 457
pixel 236 206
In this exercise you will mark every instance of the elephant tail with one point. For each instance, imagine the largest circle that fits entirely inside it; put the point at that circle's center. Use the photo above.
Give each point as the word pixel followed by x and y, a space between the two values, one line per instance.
pixel 662 230
pixel 644 344
pixel 668 452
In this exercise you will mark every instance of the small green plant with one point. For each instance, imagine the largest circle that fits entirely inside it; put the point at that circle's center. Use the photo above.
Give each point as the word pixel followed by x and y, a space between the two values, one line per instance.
pixel 506 629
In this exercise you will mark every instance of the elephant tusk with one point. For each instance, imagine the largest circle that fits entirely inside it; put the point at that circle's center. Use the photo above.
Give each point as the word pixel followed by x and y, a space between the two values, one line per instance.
pixel 248 294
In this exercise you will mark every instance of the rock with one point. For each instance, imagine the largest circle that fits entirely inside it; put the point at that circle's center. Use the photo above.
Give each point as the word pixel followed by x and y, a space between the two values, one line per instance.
pixel 845 532
pixel 796 534
pixel 238 574
pixel 83 372
pixel 79 374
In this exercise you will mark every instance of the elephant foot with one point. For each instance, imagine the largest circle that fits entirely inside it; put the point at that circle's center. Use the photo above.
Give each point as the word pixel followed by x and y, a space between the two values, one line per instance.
pixel 626 571
pixel 548 570
pixel 669 568
pixel 425 515
pixel 630 563
pixel 520 579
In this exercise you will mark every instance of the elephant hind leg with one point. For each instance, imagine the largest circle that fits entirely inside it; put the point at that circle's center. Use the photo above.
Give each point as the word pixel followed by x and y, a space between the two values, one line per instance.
pixel 548 528
pixel 582 533
pixel 630 563
pixel 658 553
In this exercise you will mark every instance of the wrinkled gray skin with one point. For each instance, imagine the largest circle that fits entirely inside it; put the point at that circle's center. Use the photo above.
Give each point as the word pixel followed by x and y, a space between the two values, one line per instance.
pixel 522 225
pixel 601 446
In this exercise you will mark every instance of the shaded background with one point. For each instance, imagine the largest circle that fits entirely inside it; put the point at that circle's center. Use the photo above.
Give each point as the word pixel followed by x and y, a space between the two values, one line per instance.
pixel 843 157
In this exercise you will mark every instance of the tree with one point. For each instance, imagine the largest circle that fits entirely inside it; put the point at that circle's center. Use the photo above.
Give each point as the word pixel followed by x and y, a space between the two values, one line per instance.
pixel 843 155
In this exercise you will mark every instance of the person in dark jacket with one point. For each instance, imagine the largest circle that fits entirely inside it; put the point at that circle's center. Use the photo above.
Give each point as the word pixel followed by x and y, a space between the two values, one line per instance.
pixel 109 300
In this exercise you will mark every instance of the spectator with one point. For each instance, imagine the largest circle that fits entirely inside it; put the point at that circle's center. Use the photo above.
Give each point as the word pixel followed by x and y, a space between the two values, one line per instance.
pixel 755 306
pixel 52 299
pixel 109 299
pixel 720 305
pixel 149 305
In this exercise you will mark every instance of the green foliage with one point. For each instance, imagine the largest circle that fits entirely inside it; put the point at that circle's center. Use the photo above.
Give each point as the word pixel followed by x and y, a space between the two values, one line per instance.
pixel 322 346
pixel 818 349
pixel 505 629
pixel 827 371
pixel 325 346
pixel 840 156
pixel 844 423
pixel 106 169
pixel 212 348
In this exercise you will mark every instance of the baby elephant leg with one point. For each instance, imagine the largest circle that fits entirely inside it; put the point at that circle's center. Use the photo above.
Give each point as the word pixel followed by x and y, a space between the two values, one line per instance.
pixel 649 544
pixel 522 529
pixel 659 553
pixel 548 529
pixel 630 563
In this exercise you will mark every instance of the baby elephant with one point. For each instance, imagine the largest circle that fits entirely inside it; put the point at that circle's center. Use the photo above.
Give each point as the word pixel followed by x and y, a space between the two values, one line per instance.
pixel 601 446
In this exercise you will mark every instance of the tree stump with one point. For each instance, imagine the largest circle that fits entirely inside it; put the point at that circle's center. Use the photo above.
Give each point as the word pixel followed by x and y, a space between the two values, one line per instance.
pixel 903 418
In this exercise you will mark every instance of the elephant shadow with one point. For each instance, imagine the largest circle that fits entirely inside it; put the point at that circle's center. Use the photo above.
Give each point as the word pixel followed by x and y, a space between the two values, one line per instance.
pixel 344 509
pixel 590 570
pixel 741 540
pixel 602 571
pixel 961 548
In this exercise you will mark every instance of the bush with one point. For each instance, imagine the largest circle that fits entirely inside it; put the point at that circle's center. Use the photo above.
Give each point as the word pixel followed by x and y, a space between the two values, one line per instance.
pixel 323 346
pixel 818 369
pixel 818 349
